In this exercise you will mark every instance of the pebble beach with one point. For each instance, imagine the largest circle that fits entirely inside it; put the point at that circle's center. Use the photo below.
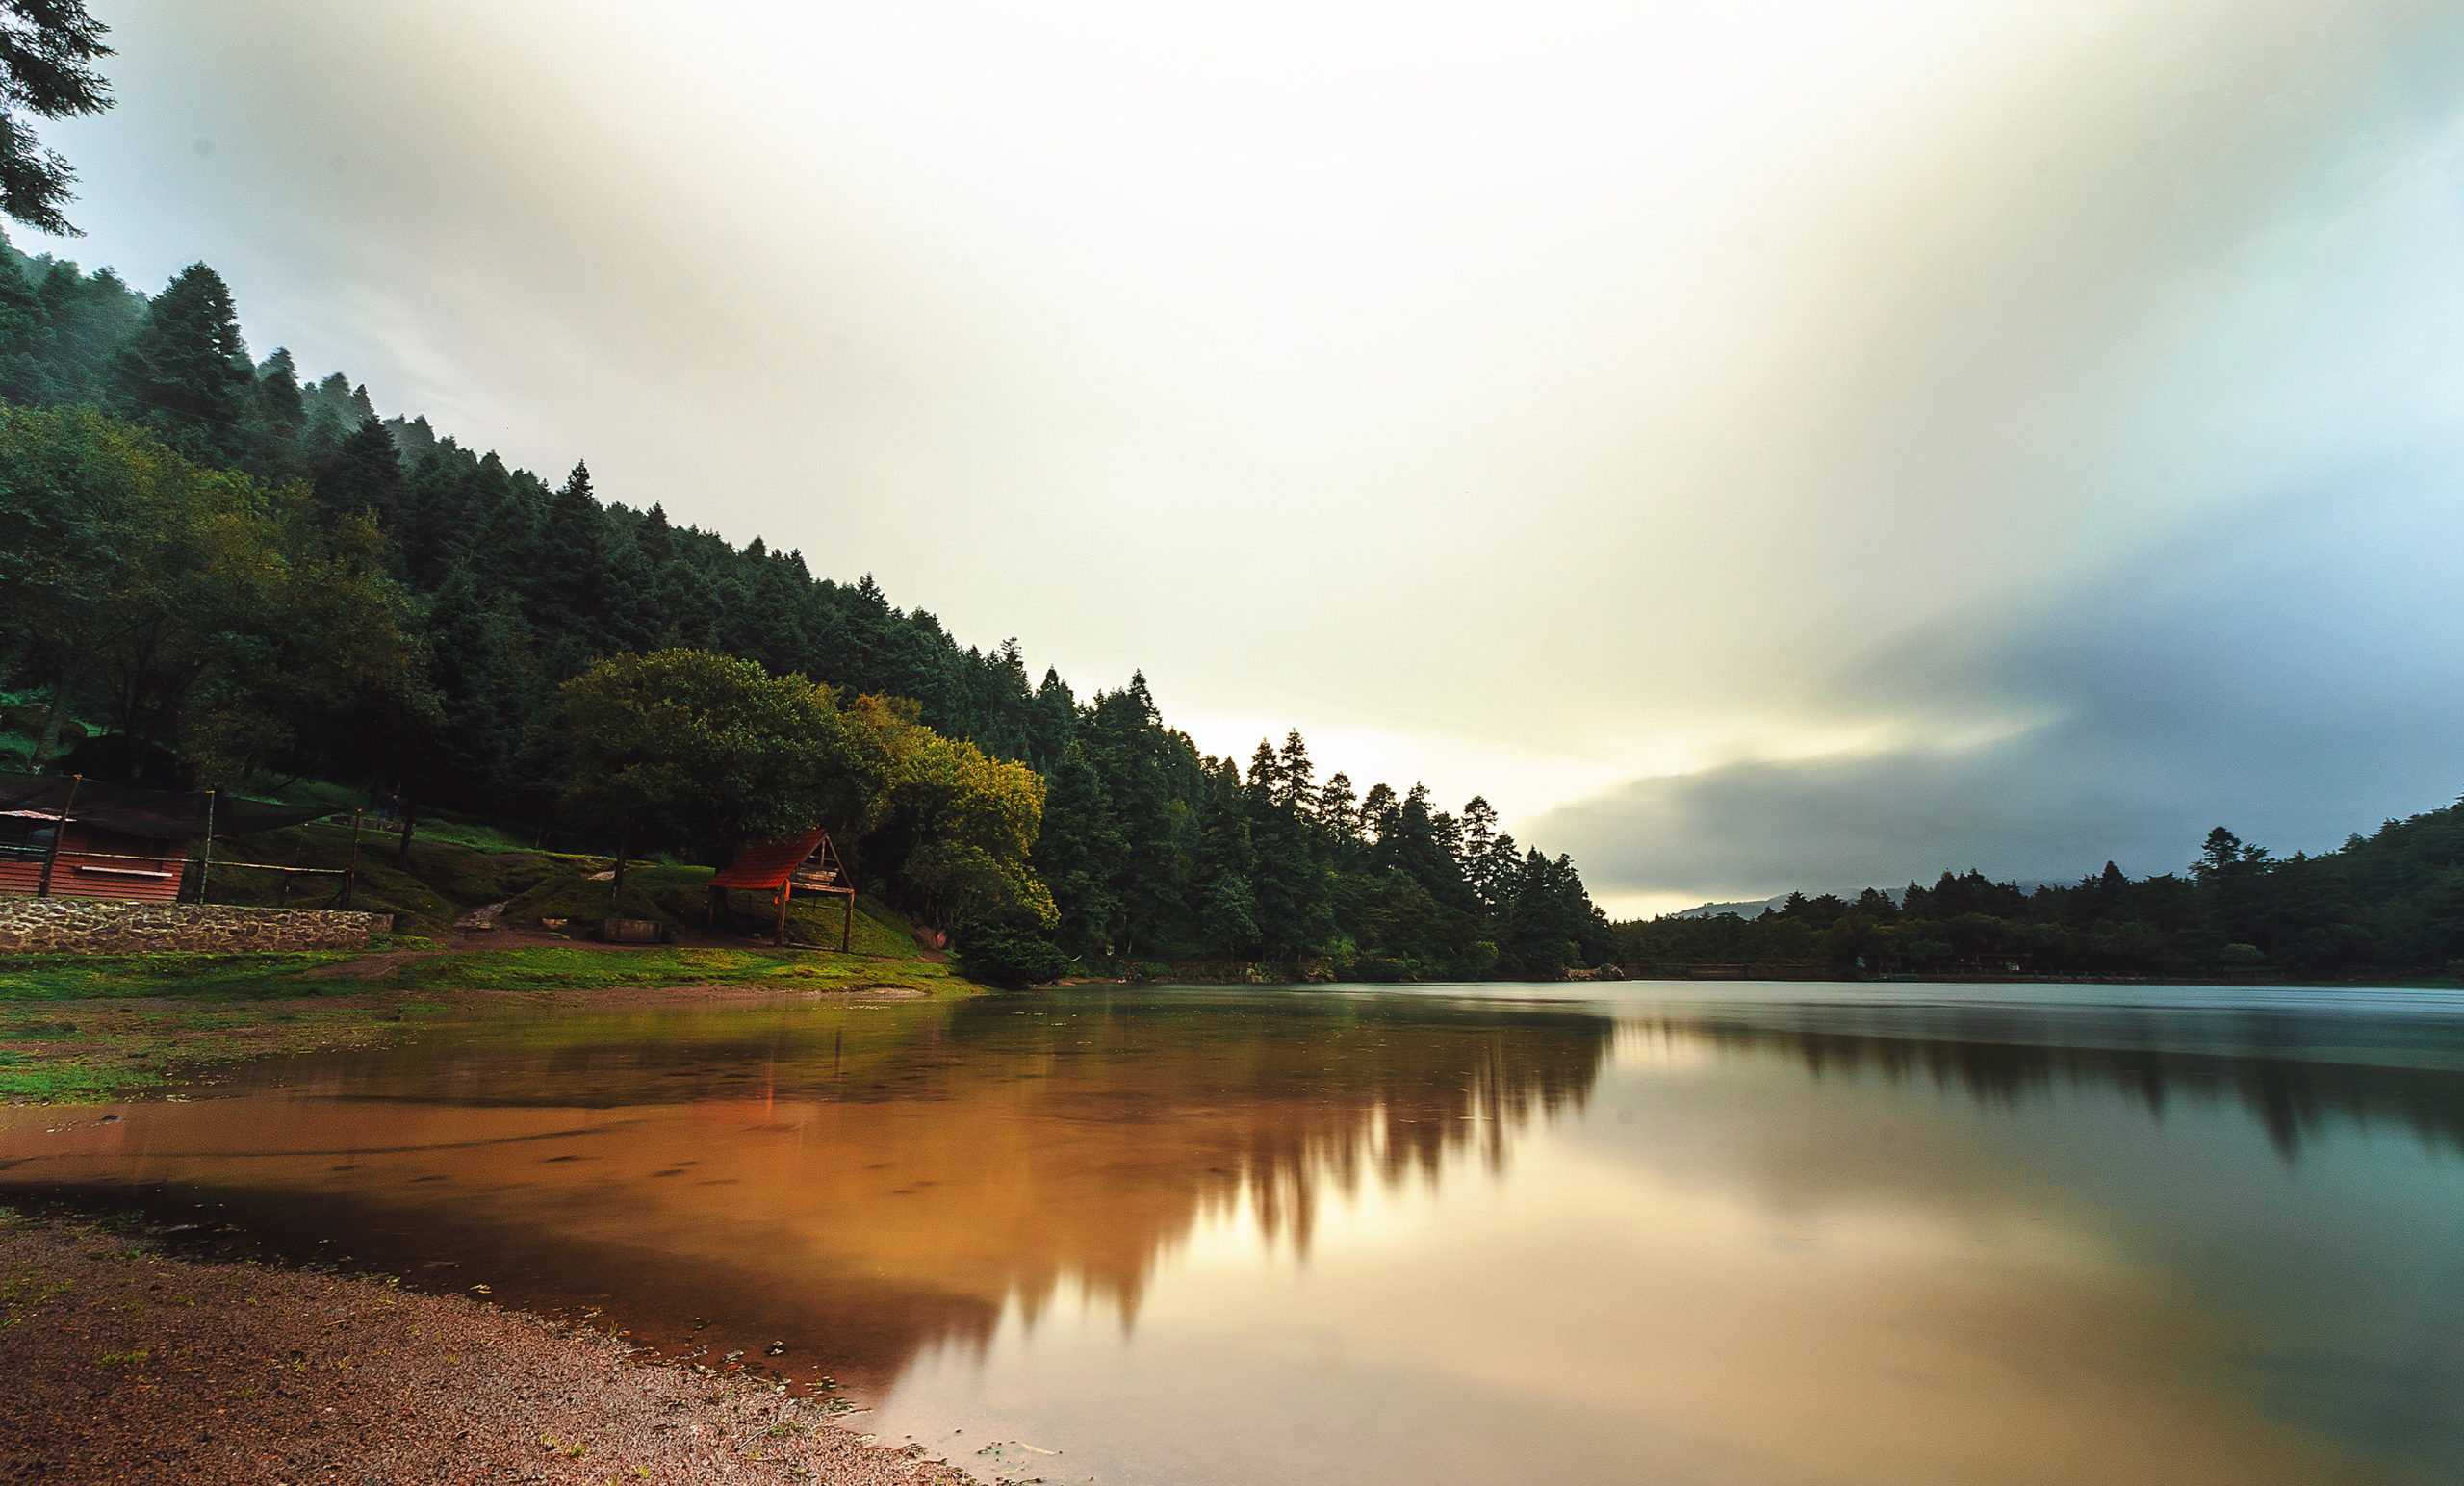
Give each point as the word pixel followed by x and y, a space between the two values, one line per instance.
pixel 127 1364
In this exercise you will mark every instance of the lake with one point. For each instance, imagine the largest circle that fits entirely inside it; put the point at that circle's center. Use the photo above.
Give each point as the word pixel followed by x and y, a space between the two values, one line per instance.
pixel 1674 1233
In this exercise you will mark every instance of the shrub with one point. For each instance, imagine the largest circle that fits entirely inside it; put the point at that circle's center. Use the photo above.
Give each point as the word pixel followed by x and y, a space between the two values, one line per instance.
pixel 1011 956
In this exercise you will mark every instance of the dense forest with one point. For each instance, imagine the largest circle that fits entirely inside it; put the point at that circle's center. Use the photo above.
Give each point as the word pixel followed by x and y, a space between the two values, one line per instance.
pixel 2392 902
pixel 217 574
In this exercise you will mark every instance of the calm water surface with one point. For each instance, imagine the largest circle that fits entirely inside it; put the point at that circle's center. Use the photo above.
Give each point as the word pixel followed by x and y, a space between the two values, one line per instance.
pixel 1668 1232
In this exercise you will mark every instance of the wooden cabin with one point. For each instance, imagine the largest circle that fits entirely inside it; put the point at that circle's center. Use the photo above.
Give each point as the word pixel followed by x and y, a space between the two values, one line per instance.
pixel 117 840
pixel 800 863
pixel 94 860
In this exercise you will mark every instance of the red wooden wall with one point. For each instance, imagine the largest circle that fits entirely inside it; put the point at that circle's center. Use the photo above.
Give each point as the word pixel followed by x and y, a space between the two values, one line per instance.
pixel 93 863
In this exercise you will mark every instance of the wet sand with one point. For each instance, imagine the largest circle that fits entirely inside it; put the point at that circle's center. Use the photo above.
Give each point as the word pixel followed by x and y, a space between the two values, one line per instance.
pixel 126 1364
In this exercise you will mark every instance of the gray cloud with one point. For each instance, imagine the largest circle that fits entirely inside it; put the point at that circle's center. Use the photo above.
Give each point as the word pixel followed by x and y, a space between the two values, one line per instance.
pixel 2297 675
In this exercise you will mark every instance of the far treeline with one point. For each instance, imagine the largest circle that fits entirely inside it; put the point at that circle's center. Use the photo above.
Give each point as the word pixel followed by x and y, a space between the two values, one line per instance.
pixel 218 576
pixel 2389 902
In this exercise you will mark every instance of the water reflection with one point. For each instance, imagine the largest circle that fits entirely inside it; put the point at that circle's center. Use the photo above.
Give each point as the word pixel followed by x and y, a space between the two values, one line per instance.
pixel 2295 1069
pixel 1785 1235
pixel 876 1178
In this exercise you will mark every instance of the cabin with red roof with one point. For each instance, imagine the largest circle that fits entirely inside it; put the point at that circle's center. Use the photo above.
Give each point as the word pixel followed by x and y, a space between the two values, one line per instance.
pixel 808 863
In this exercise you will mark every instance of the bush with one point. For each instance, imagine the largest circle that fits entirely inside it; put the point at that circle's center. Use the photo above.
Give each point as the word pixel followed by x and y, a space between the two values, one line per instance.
pixel 1011 956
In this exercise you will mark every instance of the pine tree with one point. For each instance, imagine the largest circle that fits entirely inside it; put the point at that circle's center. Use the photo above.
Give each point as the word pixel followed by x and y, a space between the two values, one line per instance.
pixel 186 372
pixel 565 580
pixel 365 476
pixel 91 320
pixel 48 50
pixel 272 415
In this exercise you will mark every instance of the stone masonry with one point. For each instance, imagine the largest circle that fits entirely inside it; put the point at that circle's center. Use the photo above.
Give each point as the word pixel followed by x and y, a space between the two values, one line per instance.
pixel 109 926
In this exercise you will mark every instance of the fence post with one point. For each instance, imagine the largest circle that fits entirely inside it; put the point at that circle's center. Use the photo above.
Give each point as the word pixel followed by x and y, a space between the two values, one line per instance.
pixel 58 833
pixel 205 872
pixel 351 878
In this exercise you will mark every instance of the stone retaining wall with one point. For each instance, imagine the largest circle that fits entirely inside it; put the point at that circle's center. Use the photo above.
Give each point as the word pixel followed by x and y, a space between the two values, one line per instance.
pixel 109 926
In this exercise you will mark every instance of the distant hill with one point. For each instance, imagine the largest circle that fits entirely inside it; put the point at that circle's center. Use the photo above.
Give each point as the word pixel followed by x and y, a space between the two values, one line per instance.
pixel 2390 903
pixel 1751 907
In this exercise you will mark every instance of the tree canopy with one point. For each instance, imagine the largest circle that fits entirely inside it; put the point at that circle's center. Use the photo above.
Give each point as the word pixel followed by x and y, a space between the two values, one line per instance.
pixel 48 50
pixel 524 650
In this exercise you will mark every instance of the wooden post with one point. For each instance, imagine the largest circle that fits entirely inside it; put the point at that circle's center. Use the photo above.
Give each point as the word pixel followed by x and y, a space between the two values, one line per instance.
pixel 781 940
pixel 58 833
pixel 846 879
pixel 281 900
pixel 205 869
pixel 351 878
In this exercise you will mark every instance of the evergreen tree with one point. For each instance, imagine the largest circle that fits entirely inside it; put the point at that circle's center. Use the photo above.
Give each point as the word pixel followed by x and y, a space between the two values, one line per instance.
pixel 48 50
pixel 91 320
pixel 185 373
pixel 365 477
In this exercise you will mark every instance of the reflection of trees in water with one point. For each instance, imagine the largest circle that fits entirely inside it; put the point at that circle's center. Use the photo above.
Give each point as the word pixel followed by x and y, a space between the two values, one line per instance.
pixel 962 1155
pixel 1288 1099
pixel 2292 1098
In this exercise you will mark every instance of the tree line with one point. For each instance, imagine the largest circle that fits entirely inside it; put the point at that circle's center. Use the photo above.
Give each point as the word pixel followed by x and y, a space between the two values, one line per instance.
pixel 234 574
pixel 2388 903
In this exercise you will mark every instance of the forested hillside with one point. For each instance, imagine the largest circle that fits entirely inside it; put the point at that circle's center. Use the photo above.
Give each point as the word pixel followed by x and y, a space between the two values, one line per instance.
pixel 2389 902
pixel 218 574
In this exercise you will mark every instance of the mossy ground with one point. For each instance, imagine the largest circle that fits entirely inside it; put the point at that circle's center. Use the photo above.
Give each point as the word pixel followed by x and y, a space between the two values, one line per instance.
pixel 679 896
pixel 80 1029
pixel 425 890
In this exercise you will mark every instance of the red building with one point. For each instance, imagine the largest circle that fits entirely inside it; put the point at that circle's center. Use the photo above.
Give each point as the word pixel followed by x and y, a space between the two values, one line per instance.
pixel 114 841
pixel 94 862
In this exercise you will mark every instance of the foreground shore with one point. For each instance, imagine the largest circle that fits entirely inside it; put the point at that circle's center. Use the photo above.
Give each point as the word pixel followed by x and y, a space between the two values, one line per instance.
pixel 126 1364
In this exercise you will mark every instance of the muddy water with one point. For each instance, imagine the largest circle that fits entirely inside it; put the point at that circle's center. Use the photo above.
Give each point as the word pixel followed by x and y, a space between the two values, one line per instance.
pixel 1751 1234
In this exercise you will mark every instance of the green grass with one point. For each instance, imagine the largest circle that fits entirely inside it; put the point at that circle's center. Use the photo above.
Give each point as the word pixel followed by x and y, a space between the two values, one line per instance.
pixel 661 894
pixel 437 883
pixel 36 980
pixel 85 1028
pixel 555 968
pixel 237 977
pixel 680 896
pixel 64 1081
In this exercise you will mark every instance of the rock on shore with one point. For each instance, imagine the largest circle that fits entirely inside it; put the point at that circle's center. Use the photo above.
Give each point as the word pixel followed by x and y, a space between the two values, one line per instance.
pixel 128 1365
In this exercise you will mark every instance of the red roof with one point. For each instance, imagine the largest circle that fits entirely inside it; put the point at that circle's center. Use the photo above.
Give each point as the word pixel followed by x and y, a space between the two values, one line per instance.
pixel 768 865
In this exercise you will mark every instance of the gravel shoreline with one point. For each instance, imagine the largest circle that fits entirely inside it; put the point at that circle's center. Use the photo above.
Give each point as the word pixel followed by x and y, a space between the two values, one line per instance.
pixel 127 1365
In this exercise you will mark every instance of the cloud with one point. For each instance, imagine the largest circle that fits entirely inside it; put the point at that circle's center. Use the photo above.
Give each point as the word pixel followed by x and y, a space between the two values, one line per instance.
pixel 2296 674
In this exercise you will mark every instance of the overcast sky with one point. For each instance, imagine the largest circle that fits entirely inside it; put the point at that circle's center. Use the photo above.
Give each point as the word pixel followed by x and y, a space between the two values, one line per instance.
pixel 1755 444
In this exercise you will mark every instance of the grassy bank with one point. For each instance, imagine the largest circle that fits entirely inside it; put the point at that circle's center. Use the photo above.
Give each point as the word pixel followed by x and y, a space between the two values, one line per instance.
pixel 85 1027
pixel 81 1027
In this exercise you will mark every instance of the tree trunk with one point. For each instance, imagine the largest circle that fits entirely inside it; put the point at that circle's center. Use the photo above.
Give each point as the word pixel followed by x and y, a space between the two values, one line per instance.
pixel 616 886
pixel 50 738
pixel 410 824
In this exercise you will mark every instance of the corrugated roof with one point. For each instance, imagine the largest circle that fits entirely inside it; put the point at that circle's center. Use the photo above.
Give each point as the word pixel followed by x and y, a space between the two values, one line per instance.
pixel 767 865
pixel 162 814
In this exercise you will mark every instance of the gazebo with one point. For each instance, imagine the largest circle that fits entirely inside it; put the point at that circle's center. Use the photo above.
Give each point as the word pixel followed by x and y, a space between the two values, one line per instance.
pixel 809 862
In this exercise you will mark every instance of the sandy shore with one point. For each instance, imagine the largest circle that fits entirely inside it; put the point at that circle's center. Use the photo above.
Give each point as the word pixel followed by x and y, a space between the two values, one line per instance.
pixel 124 1364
